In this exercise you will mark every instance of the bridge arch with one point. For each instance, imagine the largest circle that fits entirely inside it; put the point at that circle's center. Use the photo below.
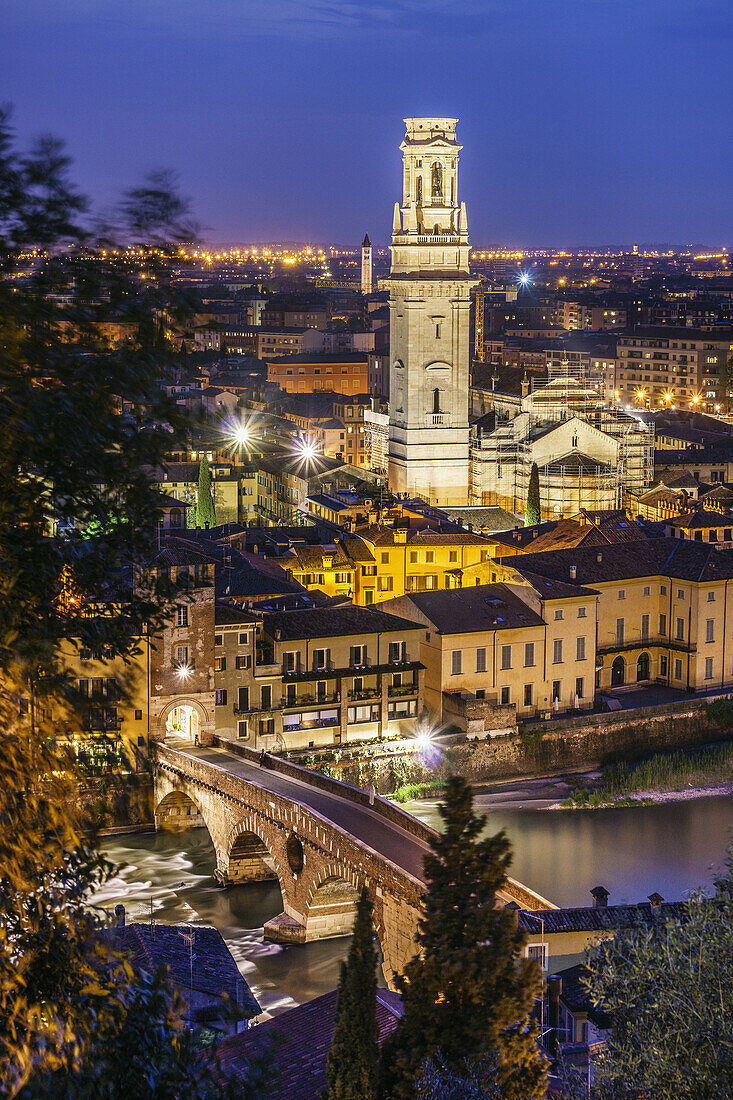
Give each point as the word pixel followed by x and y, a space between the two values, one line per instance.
pixel 192 718
pixel 177 811
pixel 250 855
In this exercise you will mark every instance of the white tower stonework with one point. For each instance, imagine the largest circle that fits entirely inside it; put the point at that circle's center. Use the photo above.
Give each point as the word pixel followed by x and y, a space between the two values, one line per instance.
pixel 366 266
pixel 430 297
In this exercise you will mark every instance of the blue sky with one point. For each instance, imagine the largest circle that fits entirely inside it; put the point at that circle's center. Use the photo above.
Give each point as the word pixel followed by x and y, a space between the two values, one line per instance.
pixel 583 121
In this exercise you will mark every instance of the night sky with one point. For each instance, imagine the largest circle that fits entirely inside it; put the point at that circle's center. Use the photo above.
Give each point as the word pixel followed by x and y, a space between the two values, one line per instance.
pixel 583 121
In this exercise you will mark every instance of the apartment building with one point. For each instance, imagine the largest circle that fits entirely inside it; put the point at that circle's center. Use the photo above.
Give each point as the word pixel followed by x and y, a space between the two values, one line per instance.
pixel 663 612
pixel 531 648
pixel 658 366
pixel 346 373
pixel 311 678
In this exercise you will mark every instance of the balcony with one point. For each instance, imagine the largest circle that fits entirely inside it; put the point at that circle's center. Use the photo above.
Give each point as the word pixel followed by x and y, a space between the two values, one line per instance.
pixel 647 641
pixel 396 691
pixel 311 700
pixel 314 724
pixel 436 420
pixel 365 693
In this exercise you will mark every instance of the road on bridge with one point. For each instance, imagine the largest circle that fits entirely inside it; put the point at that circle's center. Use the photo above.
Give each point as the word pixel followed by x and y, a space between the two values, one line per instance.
pixel 364 825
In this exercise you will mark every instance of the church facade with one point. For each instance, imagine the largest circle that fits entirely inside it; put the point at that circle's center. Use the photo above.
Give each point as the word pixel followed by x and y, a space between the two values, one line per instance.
pixel 430 300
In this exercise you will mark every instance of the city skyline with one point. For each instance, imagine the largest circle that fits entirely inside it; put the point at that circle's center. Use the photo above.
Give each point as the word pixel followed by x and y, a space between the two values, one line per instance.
pixel 587 124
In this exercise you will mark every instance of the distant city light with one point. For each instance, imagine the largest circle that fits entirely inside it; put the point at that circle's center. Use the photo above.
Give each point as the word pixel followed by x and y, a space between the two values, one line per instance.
pixel 524 278
pixel 306 449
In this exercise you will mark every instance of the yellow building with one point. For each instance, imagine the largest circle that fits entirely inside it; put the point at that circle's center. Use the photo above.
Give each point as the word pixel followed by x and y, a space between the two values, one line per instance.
pixel 528 648
pixel 319 677
pixel 111 723
pixel 665 614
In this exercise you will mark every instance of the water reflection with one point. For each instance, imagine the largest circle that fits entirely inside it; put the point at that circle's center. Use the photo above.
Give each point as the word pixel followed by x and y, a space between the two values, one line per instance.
pixel 173 874
pixel 671 848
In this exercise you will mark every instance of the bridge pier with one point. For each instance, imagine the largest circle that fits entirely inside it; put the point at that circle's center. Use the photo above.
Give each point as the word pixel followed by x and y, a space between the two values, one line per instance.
pixel 284 929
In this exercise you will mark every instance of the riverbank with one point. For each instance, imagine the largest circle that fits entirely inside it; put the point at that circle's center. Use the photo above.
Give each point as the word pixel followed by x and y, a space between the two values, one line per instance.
pixel 663 777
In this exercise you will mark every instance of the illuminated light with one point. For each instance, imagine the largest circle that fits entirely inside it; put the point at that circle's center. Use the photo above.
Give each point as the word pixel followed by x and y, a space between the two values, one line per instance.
pixel 424 741
pixel 183 671
pixel 242 435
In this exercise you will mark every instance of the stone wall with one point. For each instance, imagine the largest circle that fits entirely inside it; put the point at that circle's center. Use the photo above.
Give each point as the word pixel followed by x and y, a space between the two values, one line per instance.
pixel 589 740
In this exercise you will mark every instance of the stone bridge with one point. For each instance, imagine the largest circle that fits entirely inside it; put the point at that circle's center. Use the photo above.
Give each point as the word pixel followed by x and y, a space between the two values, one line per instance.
pixel 322 839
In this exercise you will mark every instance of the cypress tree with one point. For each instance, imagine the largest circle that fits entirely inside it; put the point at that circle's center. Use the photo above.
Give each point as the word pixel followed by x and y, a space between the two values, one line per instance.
pixel 205 511
pixel 352 1062
pixel 467 993
pixel 532 515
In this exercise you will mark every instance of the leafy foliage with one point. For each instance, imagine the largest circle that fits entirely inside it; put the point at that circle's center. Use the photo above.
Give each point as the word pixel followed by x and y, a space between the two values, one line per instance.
pixel 533 514
pixel 82 422
pixel 205 511
pixel 474 1080
pixel 669 990
pixel 352 1062
pixel 467 993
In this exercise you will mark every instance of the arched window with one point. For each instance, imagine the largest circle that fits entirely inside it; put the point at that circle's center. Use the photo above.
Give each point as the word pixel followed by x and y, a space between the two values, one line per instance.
pixel 618 670
pixel 642 667
pixel 436 400
pixel 419 188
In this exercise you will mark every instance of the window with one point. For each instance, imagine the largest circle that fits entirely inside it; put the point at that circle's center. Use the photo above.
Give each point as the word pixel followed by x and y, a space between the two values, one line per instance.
pixel 138 716
pixel 243 699
pixel 556 691
pixel 619 631
pixel 243 639
pixel 678 670
pixel 182 656
pixel 557 651
pixel 481 660
pixel 506 656
pixel 708 668
pixel 266 697
pixel 709 630
pixel 453 555
pixel 663 666
pixel 218 638
pixel 680 593
pixel 456 662
pixel 680 635
pixel 579 686
pixel 622 593
pixel 267 726
pixel 429 556
pixel 480 693
pixel 662 590
pixel 221 697
pixel 384 556
pixel 358 655
pixel 580 649
pixel 220 664
pixel 320 658
pixel 581 612
pixel 397 652
pixel 505 695
pixel 645 627
pixel 528 695
pixel 538 953
pixel 662 624
pixel 647 590
pixel 242 662
pixel 711 597
pixel 413 557
pixel 558 614
pixel 529 654
pixel 182 615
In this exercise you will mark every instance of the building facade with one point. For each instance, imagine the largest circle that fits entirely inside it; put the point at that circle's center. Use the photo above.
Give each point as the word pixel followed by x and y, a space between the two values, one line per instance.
pixel 430 300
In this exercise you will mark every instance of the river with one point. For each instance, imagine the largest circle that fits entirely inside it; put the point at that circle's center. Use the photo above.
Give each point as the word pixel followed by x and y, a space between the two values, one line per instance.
pixel 671 848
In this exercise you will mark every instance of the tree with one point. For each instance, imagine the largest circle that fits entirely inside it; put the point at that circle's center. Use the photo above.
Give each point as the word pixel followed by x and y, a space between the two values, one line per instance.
pixel 668 987
pixel 475 1080
pixel 467 993
pixel 78 521
pixel 205 511
pixel 532 515
pixel 352 1062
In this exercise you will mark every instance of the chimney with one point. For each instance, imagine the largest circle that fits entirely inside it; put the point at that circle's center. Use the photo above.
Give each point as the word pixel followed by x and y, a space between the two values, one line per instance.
pixel 554 989
pixel 655 900
pixel 254 548
pixel 573 572
pixel 600 897
pixel 120 914
pixel 278 635
pixel 599 557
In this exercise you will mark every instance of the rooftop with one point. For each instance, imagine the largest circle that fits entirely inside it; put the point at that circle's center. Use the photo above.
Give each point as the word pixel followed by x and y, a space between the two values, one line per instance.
pixel 471 610
pixel 332 622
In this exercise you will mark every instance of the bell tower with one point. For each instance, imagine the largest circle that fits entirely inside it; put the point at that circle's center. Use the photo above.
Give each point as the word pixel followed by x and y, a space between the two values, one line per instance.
pixel 430 299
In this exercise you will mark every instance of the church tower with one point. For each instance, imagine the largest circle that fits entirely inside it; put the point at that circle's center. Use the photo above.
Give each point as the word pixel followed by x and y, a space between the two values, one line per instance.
pixel 429 304
pixel 366 266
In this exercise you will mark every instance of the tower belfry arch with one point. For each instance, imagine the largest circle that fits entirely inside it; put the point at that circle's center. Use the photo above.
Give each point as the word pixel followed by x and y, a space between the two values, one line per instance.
pixel 430 298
